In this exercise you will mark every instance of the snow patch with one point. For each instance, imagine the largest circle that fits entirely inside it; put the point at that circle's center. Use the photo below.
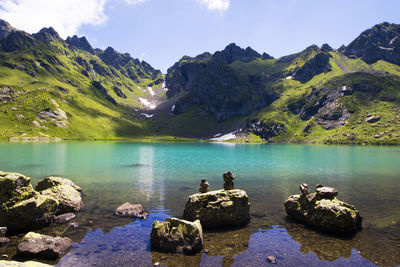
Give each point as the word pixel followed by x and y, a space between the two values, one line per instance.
pixel 147 115
pixel 151 91
pixel 289 78
pixel 225 137
pixel 147 103
pixel 172 108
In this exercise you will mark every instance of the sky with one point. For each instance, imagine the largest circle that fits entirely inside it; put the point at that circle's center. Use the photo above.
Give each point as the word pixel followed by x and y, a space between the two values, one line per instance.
pixel 163 31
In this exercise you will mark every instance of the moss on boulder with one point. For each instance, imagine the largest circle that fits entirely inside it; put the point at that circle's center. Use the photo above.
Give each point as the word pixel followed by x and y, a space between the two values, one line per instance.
pixel 220 208
pixel 177 236
pixel 326 214
pixel 22 208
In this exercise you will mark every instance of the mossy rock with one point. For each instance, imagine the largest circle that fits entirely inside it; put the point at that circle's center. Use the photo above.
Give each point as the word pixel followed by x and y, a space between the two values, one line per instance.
pixel 328 215
pixel 177 236
pixel 219 209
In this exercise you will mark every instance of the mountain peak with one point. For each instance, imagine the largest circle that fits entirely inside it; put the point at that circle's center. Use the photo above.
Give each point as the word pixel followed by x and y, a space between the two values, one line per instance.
pixel 233 52
pixel 5 28
pixel 381 42
pixel 80 43
pixel 47 34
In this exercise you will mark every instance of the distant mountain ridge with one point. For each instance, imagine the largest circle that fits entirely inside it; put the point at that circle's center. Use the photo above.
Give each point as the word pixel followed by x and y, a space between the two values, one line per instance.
pixel 66 88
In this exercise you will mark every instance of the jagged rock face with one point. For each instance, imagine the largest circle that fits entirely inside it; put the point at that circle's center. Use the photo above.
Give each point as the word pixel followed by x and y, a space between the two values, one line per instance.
pixel 316 65
pixel 47 34
pixel 119 93
pixel 232 52
pixel 177 236
pixel 266 129
pixel 37 246
pixel 381 42
pixel 217 87
pixel 220 208
pixel 17 40
pixel 80 43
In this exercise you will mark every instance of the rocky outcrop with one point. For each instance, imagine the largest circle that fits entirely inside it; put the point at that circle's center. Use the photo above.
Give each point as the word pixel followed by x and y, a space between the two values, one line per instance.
pixel 5 263
pixel 177 236
pixel 5 28
pixel 266 129
pixel 381 42
pixel 23 208
pixel 80 43
pixel 37 246
pixel 322 210
pixel 131 210
pixel 220 208
pixel 119 92
pixel 316 65
pixel 232 52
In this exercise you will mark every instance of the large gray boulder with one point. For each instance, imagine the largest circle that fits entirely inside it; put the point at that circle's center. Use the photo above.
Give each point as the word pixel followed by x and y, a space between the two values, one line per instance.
pixel 177 236
pixel 37 246
pixel 322 210
pixel 220 208
pixel 22 208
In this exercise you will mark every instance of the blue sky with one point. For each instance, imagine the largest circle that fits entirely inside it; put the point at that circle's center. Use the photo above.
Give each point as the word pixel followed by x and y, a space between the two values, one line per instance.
pixel 162 31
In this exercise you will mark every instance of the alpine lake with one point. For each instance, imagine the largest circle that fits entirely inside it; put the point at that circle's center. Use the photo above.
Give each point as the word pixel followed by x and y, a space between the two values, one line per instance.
pixel 161 176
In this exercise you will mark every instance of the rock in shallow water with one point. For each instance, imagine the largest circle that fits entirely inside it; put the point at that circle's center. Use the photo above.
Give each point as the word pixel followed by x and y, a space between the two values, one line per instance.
pixel 39 246
pixel 4 263
pixel 177 236
pixel 63 218
pixel 22 208
pixel 324 212
pixel 220 208
pixel 131 210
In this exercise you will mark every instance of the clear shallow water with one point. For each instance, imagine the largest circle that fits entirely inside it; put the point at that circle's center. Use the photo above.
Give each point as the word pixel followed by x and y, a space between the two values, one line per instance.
pixel 161 176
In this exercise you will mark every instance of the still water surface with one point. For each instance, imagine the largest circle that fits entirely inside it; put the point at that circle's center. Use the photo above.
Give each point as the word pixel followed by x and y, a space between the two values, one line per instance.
pixel 162 176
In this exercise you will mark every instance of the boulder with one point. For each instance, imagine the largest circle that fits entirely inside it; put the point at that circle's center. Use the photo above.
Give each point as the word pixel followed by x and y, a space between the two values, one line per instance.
pixel 5 263
pixel 22 208
pixel 3 231
pixel 177 236
pixel 39 246
pixel 372 119
pixel 322 210
pixel 64 191
pixel 131 210
pixel 220 208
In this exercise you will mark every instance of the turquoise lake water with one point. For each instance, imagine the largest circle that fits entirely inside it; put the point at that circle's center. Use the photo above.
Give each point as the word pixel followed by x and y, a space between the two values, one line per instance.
pixel 162 176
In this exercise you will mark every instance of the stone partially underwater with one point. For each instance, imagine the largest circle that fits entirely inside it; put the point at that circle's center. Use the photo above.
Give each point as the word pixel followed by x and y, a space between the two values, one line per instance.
pixel 23 208
pixel 177 236
pixel 322 210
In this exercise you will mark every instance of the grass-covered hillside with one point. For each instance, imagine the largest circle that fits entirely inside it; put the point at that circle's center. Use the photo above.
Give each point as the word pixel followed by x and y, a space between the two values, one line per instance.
pixel 55 88
pixel 319 95
pixel 50 87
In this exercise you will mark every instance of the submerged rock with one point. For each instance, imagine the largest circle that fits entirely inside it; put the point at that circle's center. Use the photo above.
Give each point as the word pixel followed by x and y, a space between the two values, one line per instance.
pixel 177 236
pixel 131 210
pixel 324 211
pixel 5 263
pixel 220 208
pixel 39 246
pixel 204 186
pixel 22 208
pixel 63 218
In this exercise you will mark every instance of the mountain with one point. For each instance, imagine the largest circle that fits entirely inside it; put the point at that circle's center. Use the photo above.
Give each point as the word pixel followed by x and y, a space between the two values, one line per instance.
pixel 66 88
pixel 50 87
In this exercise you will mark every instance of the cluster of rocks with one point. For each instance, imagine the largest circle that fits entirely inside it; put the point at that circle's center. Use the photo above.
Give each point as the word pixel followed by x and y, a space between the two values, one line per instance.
pixel 322 210
pixel 228 207
pixel 24 208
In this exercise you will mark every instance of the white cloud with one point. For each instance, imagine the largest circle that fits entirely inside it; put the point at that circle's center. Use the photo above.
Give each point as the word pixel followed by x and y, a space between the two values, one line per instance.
pixel 134 2
pixel 65 16
pixel 220 5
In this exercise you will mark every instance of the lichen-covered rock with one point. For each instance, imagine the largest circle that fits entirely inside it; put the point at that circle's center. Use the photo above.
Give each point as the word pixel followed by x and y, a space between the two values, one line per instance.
pixel 131 210
pixel 177 236
pixel 39 246
pixel 326 214
pixel 22 208
pixel 64 191
pixel 220 208
pixel 5 263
